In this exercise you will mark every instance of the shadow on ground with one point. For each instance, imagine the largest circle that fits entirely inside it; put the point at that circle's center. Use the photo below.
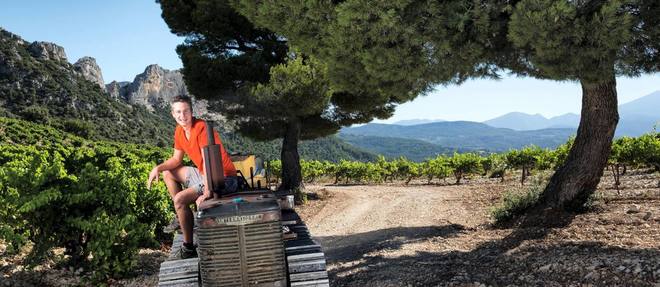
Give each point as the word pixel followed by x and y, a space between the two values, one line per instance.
pixel 522 258
pixel 353 247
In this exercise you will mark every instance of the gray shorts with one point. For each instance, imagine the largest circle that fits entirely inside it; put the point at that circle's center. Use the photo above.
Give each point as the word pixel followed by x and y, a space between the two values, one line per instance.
pixel 197 181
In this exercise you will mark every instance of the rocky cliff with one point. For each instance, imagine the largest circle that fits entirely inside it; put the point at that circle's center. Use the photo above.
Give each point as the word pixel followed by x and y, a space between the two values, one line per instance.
pixel 38 84
pixel 155 88
pixel 114 89
pixel 47 51
pixel 152 89
pixel 87 67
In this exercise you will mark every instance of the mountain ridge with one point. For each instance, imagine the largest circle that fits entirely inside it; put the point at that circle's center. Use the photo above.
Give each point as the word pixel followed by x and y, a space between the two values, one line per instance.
pixel 523 121
pixel 416 122
pixel 466 135
pixel 635 118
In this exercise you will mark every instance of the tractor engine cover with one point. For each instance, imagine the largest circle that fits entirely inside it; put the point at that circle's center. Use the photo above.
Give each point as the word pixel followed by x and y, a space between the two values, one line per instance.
pixel 240 241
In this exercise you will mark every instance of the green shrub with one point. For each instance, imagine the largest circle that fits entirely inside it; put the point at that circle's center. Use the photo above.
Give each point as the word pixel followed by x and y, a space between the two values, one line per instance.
pixel 561 152
pixel 274 170
pixel 386 168
pixel 437 167
pixel 464 164
pixel 525 159
pixel 498 166
pixel 36 113
pixel 407 170
pixel 78 127
pixel 312 169
pixel 517 200
pixel 91 199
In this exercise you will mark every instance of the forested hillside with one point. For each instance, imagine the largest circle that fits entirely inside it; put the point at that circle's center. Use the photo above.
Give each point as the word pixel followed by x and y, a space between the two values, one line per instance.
pixel 465 135
pixel 38 84
pixel 415 150
pixel 329 148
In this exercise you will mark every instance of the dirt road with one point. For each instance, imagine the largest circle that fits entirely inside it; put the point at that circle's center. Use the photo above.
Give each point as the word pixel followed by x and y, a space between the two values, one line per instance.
pixel 440 235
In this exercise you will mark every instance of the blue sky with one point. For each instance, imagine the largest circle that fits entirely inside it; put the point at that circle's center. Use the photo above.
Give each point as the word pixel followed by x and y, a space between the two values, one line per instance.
pixel 124 36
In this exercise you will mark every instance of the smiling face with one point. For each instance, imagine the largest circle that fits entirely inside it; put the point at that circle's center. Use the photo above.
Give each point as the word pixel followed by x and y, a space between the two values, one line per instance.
pixel 182 113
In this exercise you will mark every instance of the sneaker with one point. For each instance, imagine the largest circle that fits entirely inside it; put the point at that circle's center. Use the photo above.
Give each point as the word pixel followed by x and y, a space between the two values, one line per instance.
pixel 173 226
pixel 184 253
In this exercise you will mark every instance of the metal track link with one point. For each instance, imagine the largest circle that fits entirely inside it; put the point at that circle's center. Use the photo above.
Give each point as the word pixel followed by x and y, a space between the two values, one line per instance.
pixel 179 272
pixel 305 259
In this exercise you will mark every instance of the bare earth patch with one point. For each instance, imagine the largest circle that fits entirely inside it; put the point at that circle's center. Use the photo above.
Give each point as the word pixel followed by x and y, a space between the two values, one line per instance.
pixel 441 235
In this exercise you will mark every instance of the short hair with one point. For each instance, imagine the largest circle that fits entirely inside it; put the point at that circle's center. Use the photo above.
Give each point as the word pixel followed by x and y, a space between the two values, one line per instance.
pixel 182 99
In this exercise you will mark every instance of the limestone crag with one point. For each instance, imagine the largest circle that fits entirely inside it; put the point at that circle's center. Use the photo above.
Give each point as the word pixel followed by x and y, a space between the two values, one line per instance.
pixel 47 51
pixel 154 87
pixel 88 68
pixel 9 36
pixel 9 58
pixel 114 89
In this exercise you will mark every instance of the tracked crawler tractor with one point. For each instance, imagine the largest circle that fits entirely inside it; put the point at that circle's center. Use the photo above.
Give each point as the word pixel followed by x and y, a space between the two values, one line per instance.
pixel 249 238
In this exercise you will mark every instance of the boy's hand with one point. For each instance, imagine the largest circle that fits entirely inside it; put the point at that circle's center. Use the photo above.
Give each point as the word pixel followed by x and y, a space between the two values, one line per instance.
pixel 153 176
pixel 205 195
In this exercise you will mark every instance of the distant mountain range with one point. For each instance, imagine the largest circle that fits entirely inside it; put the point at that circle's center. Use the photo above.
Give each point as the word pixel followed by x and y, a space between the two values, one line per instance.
pixel 416 122
pixel 525 122
pixel 639 116
pixel 420 139
pixel 648 105
pixel 635 118
pixel 459 135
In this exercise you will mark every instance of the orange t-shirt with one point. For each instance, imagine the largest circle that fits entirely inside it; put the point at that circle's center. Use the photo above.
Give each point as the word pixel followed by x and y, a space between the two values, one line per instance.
pixel 198 139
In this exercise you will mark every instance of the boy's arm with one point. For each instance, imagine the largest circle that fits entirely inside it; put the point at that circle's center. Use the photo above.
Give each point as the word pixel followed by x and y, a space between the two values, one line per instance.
pixel 171 163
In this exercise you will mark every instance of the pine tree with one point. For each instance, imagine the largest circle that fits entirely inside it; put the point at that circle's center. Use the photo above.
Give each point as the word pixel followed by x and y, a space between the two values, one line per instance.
pixel 404 48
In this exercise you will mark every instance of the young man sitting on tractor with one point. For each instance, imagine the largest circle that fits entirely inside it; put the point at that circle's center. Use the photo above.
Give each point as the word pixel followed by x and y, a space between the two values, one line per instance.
pixel 187 184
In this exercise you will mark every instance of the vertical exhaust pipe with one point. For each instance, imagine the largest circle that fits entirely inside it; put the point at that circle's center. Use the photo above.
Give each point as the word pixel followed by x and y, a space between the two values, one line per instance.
pixel 252 177
pixel 213 171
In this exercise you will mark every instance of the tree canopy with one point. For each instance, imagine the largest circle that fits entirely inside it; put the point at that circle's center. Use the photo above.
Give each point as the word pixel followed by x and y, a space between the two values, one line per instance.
pixel 404 48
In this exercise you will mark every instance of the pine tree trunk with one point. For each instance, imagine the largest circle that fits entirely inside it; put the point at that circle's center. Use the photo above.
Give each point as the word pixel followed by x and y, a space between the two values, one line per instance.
pixel 291 171
pixel 578 177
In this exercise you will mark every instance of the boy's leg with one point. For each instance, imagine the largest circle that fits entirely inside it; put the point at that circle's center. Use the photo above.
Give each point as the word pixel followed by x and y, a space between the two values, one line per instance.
pixel 182 202
pixel 174 179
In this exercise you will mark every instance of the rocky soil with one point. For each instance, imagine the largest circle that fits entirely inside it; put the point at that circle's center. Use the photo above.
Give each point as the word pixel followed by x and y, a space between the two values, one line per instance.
pixel 442 235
